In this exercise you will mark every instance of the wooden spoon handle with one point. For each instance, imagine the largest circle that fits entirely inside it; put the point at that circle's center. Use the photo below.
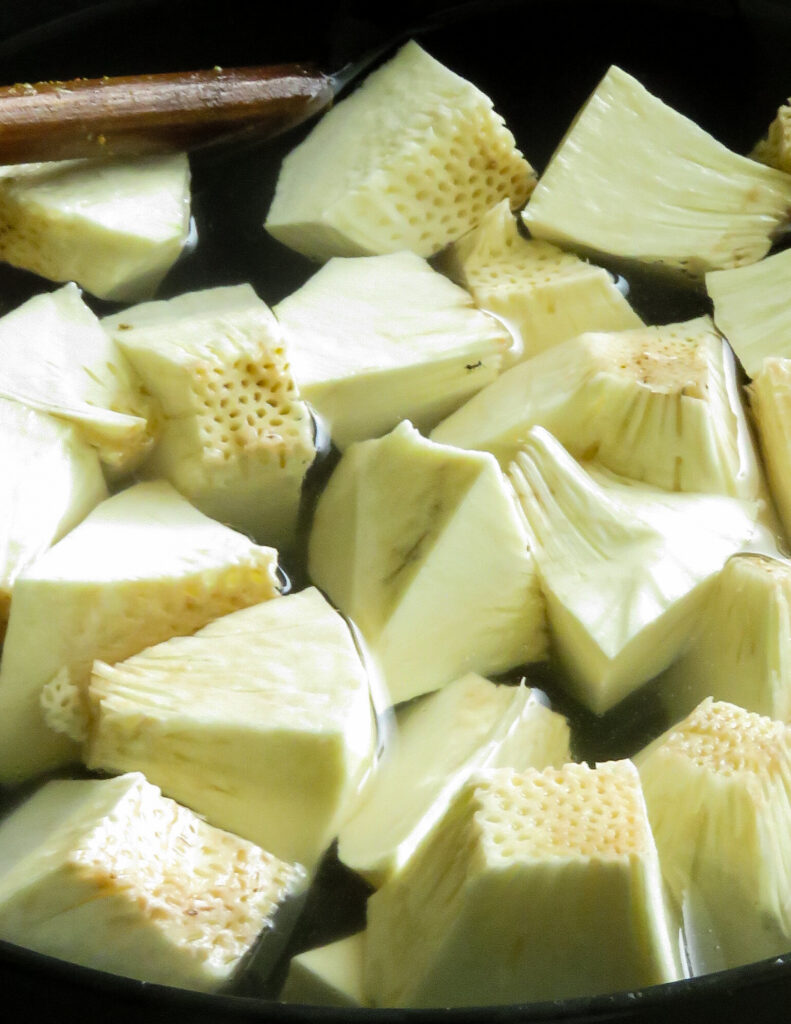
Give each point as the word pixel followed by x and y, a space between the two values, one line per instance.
pixel 159 113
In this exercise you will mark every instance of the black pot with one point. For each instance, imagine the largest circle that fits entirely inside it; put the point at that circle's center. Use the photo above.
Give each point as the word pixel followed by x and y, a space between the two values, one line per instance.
pixel 724 63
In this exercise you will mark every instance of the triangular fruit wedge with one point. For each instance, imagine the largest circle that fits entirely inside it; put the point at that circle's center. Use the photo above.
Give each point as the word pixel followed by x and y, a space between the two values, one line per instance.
pixel 142 567
pixel 422 546
pixel 111 875
pixel 261 722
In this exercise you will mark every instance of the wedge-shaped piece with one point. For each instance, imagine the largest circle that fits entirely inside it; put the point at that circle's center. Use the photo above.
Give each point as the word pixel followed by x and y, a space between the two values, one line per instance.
pixel 468 725
pixel 543 294
pixel 379 339
pixel 113 226
pixel 741 649
pixel 329 975
pixel 717 788
pixel 261 722
pixel 752 310
pixel 236 439
pixel 536 885
pixel 658 404
pixel 51 480
pixel 78 374
pixel 112 875
pixel 681 198
pixel 142 567
pixel 770 401
pixel 409 533
pixel 775 149
pixel 411 160
pixel 624 569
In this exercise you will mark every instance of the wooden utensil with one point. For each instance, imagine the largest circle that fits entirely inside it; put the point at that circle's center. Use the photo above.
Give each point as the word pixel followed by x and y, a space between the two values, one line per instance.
pixel 139 114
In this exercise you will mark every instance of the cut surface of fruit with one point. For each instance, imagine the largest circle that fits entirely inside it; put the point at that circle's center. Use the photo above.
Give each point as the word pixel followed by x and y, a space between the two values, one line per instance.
pixel 657 404
pixel 541 293
pixel 110 874
pixel 468 725
pixel 113 226
pixel 535 885
pixel 261 722
pixel 143 566
pixel 236 438
pixel 78 374
pixel 422 546
pixel 379 339
pixel 717 789
pixel 681 198
pixel 752 310
pixel 740 651
pixel 330 975
pixel 623 567
pixel 411 160
pixel 51 480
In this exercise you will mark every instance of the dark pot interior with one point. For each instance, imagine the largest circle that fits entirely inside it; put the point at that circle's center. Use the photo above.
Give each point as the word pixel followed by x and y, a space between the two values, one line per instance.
pixel 724 63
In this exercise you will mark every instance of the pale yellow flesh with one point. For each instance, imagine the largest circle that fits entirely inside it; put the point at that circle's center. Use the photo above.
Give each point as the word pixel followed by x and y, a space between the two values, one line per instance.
pixel 111 875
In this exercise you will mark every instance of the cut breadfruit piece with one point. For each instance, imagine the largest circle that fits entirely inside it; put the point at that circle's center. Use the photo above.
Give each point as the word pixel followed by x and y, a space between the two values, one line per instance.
pixel 657 404
pixel 681 199
pixel 624 567
pixel 468 725
pixel 55 357
pixel 261 722
pixel 422 546
pixel 717 790
pixel 236 438
pixel 770 401
pixel 740 651
pixel 111 875
pixel 535 885
pixel 113 226
pixel 141 567
pixel 775 149
pixel 541 293
pixel 51 480
pixel 330 975
pixel 752 308
pixel 411 160
pixel 366 357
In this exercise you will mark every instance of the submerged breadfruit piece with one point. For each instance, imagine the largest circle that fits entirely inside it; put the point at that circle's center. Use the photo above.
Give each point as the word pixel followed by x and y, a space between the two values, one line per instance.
pixel 717 788
pixel 142 567
pixel 680 199
pixel 535 885
pixel 261 722
pixel 113 226
pixel 379 339
pixel 543 294
pixel 770 402
pixel 330 975
pixel 623 567
pixel 111 875
pixel 422 546
pixel 468 725
pixel 775 149
pixel 51 479
pixel 752 308
pixel 411 160
pixel 657 404
pixel 236 438
pixel 741 649
pixel 55 357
